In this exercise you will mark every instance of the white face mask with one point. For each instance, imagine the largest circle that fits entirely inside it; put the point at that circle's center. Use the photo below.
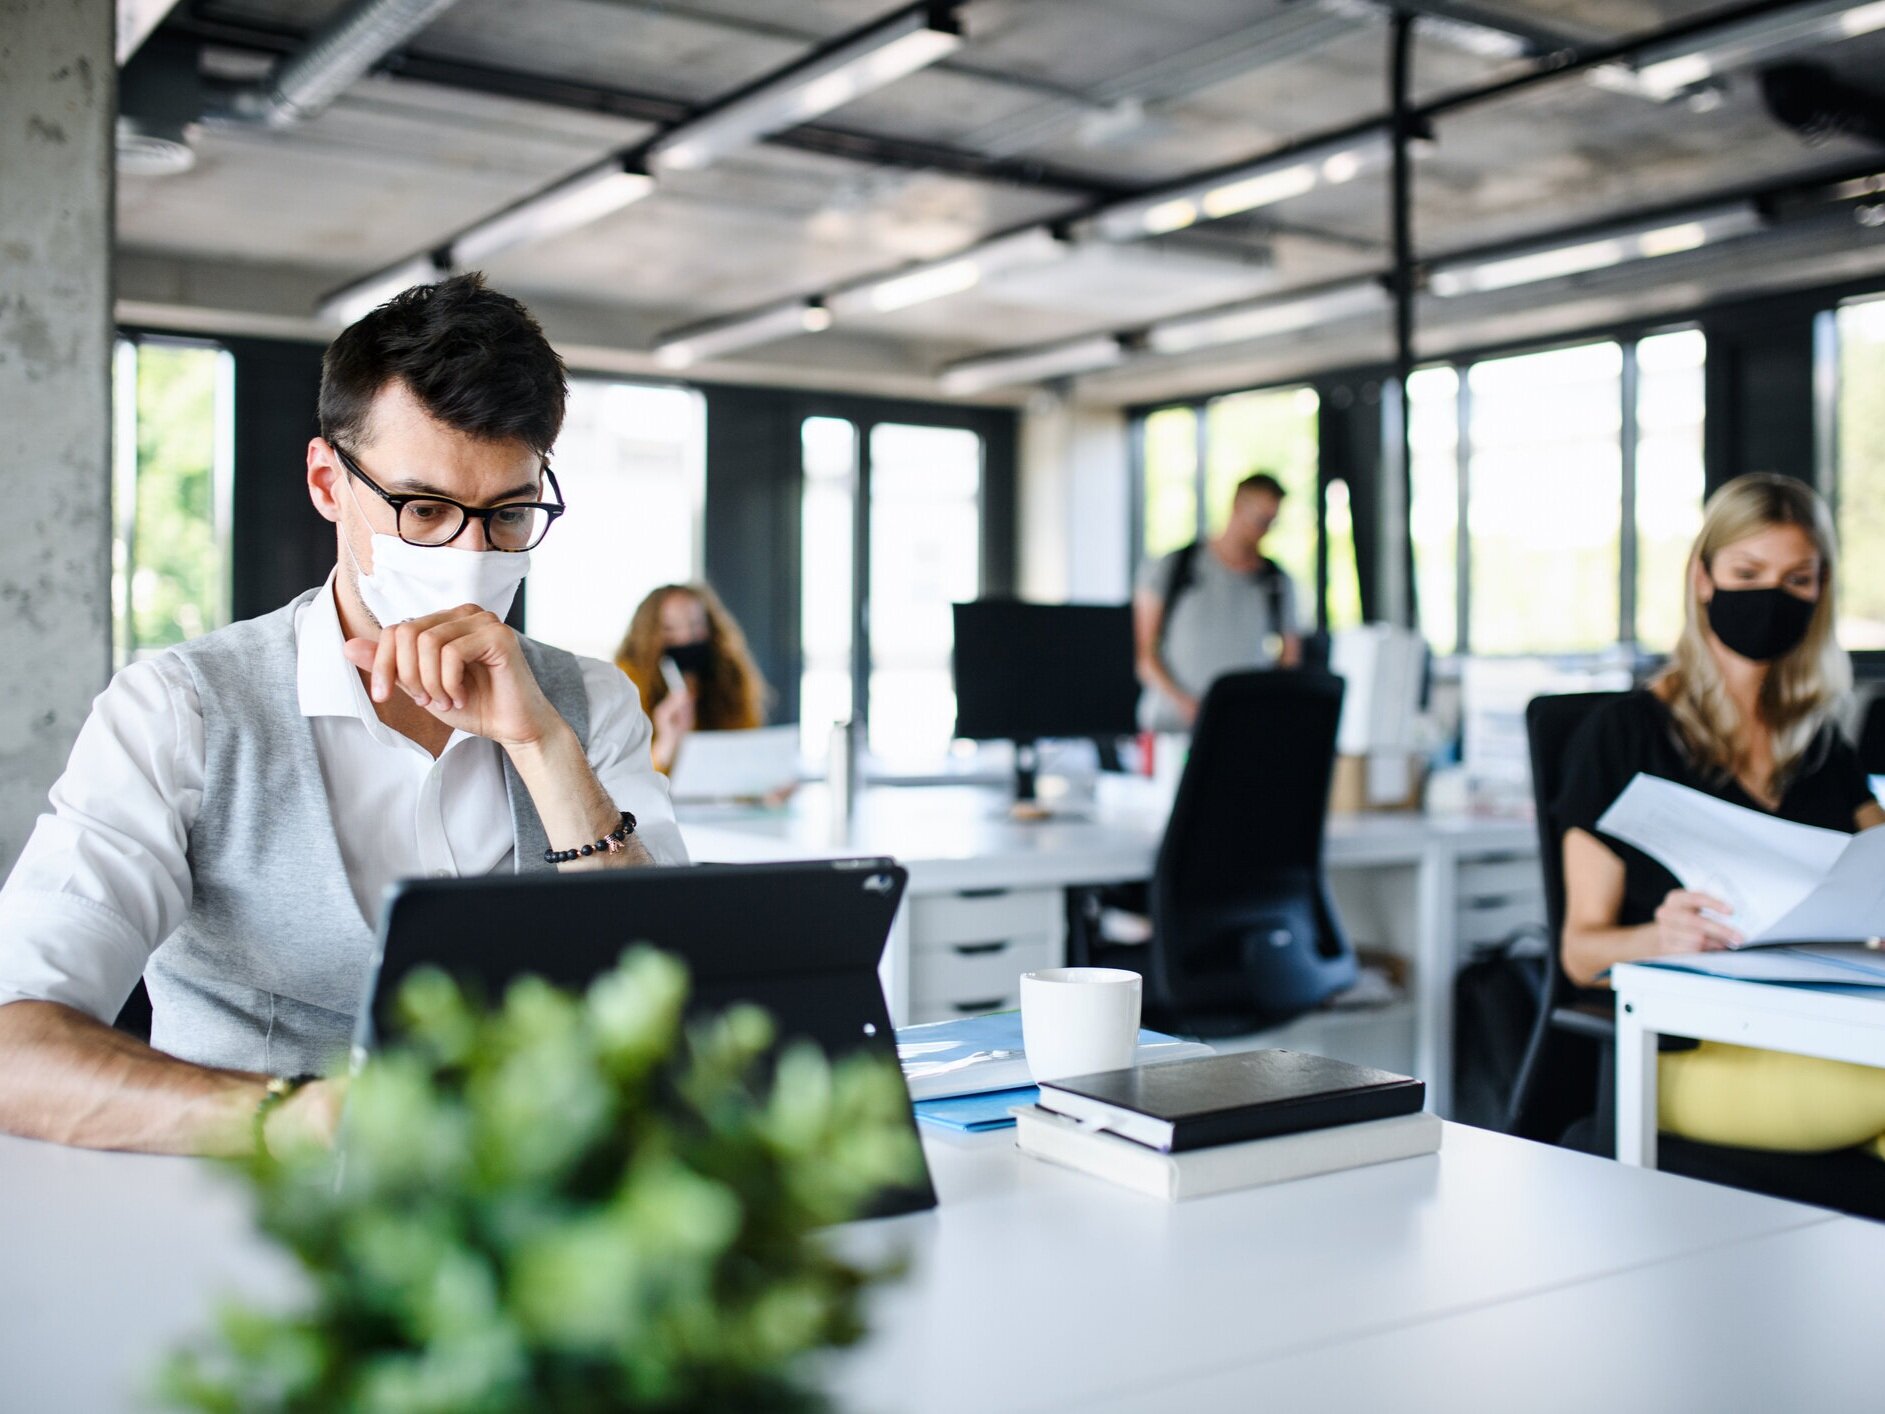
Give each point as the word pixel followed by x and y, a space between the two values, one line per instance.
pixel 411 581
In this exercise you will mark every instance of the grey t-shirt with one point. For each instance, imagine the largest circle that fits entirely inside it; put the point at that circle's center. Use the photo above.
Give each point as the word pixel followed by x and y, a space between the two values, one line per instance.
pixel 1221 623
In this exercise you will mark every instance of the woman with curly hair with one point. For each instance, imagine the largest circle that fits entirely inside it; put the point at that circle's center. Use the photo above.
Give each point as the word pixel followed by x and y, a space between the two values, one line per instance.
pixel 689 659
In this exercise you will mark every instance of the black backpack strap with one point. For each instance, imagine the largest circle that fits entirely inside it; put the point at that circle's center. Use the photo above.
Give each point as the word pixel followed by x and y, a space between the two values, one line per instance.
pixel 1182 574
pixel 1269 578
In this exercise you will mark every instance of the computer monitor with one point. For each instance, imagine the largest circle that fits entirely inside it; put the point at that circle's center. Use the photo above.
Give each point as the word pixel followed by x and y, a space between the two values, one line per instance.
pixel 1029 671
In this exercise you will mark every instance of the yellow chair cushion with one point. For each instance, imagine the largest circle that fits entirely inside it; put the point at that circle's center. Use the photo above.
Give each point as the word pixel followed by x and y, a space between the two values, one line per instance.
pixel 1722 1094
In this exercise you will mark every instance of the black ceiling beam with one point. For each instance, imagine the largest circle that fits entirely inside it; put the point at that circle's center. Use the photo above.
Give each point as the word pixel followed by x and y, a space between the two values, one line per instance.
pixel 209 26
pixel 1582 58
pixel 1550 68
pixel 1779 199
pixel 1541 39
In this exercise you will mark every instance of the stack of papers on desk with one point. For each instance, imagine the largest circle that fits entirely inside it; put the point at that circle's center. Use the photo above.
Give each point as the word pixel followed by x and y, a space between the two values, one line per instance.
pixel 970 1074
pixel 1820 892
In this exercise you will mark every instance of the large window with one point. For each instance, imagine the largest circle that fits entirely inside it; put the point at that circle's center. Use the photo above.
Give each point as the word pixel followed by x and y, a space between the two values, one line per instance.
pixel 1192 458
pixel 925 555
pixel 171 482
pixel 632 461
pixel 1578 474
pixel 1670 485
pixel 1434 511
pixel 1171 479
pixel 918 490
pixel 1859 474
pixel 1544 468
pixel 1272 430
pixel 828 510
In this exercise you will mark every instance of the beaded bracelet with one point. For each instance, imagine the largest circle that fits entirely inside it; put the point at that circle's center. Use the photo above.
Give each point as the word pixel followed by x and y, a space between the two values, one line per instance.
pixel 612 843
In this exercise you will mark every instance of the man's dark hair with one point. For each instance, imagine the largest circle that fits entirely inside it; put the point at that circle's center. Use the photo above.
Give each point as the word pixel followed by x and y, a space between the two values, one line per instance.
pixel 475 359
pixel 1260 481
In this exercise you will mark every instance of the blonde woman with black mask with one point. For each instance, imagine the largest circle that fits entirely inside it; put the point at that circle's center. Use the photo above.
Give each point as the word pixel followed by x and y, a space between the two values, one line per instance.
pixel 1744 712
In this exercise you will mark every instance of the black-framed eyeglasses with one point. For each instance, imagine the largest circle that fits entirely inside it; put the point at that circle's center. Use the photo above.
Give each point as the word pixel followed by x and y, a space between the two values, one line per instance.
pixel 431 521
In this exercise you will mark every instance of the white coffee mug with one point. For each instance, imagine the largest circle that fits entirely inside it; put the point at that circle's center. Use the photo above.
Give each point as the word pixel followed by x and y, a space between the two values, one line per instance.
pixel 1078 1020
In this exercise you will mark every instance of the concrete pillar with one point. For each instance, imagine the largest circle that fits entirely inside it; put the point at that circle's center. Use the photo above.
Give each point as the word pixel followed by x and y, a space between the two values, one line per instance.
pixel 58 87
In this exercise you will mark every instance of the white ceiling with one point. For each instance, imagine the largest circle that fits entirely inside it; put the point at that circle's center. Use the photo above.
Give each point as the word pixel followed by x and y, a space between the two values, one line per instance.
pixel 1050 105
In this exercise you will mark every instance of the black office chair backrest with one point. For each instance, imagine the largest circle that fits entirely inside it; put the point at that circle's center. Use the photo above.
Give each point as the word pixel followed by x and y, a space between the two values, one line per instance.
pixel 1557 1082
pixel 1872 737
pixel 1550 723
pixel 1240 910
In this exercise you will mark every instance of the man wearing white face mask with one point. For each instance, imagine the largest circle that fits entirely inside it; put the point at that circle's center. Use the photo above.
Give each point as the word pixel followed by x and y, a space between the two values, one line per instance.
pixel 235 807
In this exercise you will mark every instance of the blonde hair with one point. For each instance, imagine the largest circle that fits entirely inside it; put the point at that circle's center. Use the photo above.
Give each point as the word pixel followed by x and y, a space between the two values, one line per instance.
pixel 1803 688
pixel 733 692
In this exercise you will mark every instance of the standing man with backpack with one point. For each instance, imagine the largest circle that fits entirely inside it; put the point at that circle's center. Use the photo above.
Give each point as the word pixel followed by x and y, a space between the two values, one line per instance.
pixel 1215 606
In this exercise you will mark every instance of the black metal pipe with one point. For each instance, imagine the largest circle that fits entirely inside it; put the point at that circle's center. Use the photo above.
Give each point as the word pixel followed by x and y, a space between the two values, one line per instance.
pixel 1402 277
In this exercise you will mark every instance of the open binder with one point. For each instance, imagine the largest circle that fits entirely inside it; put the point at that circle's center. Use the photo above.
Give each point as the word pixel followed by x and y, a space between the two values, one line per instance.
pixel 1809 902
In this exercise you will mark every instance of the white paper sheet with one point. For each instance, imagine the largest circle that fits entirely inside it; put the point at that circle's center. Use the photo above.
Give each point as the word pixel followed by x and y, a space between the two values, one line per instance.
pixel 1848 965
pixel 1849 904
pixel 1760 866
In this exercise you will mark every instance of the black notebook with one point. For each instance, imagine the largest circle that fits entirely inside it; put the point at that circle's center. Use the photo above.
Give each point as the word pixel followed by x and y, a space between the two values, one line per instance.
pixel 1193 1104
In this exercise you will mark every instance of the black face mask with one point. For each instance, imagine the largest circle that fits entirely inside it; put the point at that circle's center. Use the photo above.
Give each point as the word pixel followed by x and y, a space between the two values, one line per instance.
pixel 691 657
pixel 1760 624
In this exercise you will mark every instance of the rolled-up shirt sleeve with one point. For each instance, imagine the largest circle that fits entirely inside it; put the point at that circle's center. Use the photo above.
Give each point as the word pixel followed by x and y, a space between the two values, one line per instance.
pixel 619 736
pixel 105 876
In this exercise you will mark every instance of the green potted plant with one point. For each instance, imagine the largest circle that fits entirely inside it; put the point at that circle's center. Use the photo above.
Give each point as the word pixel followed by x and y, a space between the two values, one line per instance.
pixel 566 1203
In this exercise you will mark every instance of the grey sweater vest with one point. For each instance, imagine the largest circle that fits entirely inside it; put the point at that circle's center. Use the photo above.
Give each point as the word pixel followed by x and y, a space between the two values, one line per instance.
pixel 268 968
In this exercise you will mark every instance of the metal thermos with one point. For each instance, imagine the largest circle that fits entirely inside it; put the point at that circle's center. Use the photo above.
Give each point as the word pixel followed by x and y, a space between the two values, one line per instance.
pixel 841 780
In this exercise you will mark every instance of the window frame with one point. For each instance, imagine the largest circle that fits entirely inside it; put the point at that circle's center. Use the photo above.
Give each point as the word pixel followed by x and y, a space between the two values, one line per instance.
pixel 128 344
pixel 1629 382
pixel 1199 407
pixel 1626 336
pixel 996 429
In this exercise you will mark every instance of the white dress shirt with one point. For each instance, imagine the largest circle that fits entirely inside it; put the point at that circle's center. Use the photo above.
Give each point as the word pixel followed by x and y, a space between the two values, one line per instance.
pixel 104 878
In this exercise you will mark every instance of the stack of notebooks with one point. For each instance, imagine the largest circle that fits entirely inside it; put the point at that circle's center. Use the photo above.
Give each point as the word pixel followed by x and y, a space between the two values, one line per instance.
pixel 1186 1128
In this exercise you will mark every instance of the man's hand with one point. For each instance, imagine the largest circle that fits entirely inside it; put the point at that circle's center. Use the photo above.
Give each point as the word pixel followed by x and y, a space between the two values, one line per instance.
pixel 309 1117
pixel 464 666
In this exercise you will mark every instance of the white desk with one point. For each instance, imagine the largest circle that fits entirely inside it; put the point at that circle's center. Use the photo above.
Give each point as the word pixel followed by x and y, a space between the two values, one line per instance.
pixel 1778 1322
pixel 1846 1025
pixel 1423 886
pixel 1033 1288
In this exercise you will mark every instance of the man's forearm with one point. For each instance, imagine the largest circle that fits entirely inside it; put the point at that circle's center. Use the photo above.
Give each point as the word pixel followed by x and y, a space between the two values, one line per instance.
pixel 1153 673
pixel 69 1078
pixel 571 802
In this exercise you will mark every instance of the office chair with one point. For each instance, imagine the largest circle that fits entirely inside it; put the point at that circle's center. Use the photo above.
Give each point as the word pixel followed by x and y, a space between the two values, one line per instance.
pixel 1242 930
pixel 1560 1079
pixel 1566 1086
pixel 1872 737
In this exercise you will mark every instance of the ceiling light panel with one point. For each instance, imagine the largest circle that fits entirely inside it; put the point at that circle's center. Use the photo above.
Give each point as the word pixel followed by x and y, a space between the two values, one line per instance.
pixel 1258 184
pixel 1264 319
pixel 683 348
pixel 978 375
pixel 362 297
pixel 576 201
pixel 952 275
pixel 1663 71
pixel 875 57
pixel 1645 242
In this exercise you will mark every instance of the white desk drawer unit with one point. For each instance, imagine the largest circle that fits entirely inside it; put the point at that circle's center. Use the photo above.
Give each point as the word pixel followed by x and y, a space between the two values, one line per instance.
pixel 968 950
pixel 1498 896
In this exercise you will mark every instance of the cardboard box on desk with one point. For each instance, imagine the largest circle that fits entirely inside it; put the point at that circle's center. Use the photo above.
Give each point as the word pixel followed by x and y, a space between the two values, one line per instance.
pixel 1381 780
